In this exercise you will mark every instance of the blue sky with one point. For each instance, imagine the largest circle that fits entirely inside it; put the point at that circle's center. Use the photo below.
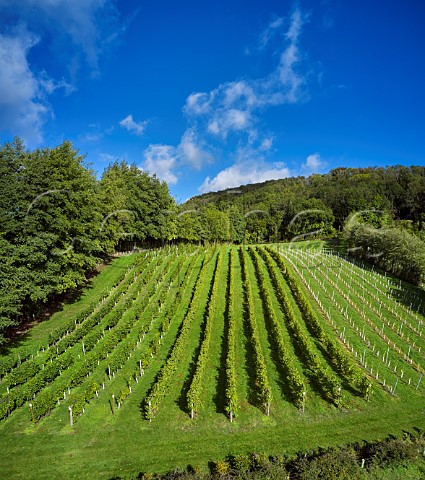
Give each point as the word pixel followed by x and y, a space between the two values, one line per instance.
pixel 214 94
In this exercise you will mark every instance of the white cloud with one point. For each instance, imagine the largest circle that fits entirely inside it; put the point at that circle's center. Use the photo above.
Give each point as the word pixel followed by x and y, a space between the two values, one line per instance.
pixel 266 144
pixel 161 160
pixel 86 25
pixel 229 120
pixel 233 106
pixel 129 124
pixel 191 151
pixel 268 33
pixel 23 108
pixel 82 28
pixel 165 160
pixel 243 173
pixel 297 22
pixel 198 103
pixel 313 163
pixel 107 158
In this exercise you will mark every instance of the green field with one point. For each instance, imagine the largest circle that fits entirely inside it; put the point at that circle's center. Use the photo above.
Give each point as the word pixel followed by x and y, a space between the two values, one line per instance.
pixel 301 347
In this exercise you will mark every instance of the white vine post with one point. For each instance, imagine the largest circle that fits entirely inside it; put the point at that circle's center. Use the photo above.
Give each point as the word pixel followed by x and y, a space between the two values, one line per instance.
pixel 395 385
pixel 71 421
pixel 304 400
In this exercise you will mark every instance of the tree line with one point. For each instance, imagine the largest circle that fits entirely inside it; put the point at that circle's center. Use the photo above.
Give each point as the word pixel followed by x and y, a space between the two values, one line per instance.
pixel 319 205
pixel 58 221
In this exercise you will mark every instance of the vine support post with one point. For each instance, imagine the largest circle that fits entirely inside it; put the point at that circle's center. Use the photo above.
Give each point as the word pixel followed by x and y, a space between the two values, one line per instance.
pixel 395 385
pixel 71 420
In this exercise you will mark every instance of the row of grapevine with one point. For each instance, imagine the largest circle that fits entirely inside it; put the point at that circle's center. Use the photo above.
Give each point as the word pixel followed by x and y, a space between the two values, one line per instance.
pixel 18 357
pixel 379 345
pixel 293 378
pixel 261 378
pixel 340 359
pixel 48 372
pixel 161 384
pixel 194 393
pixel 231 391
pixel 322 374
pixel 69 334
pixel 124 351
pixel 413 297
pixel 378 301
pixel 370 317
pixel 118 328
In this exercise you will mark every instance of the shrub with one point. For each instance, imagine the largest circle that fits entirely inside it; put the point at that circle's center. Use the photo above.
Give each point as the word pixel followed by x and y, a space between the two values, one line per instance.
pixel 222 467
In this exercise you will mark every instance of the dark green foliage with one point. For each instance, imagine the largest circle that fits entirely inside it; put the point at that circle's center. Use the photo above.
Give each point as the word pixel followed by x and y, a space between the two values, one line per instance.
pixel 332 465
pixel 318 206
pixel 339 463
pixel 137 208
pixel 394 250
pixel 392 452
pixel 57 222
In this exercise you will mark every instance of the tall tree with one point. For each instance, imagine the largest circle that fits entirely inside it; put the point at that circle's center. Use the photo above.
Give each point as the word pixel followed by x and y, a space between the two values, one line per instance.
pixel 137 208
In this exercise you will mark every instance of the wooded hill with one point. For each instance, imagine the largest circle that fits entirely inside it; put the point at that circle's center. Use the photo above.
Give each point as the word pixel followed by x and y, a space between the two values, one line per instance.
pixel 58 221
pixel 281 209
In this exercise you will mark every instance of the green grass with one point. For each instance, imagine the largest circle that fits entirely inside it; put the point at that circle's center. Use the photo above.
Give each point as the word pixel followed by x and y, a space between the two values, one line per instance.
pixel 104 445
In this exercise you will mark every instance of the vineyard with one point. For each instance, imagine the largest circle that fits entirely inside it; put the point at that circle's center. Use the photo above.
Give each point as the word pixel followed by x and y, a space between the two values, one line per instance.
pixel 209 349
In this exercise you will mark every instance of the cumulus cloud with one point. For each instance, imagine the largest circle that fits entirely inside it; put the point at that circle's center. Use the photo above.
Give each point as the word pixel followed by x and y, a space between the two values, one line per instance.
pixel 23 107
pixel 313 163
pixel 192 151
pixel 138 128
pixel 243 173
pixel 82 28
pixel 165 160
pixel 161 160
pixel 232 112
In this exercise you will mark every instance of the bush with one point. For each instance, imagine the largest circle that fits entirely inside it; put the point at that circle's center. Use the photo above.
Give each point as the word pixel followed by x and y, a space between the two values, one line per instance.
pixel 331 465
pixel 394 452
pixel 222 467
pixel 242 463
